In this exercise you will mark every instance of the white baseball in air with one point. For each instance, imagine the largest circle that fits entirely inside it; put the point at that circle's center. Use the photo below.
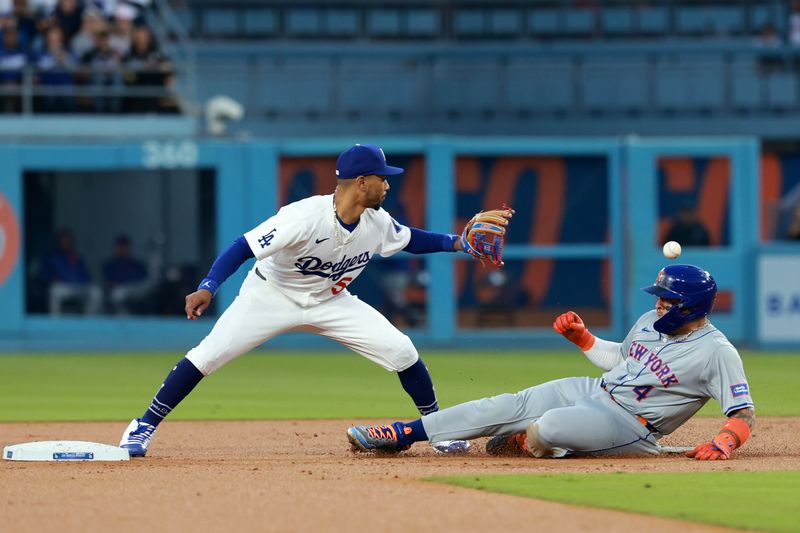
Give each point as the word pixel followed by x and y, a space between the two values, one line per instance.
pixel 672 250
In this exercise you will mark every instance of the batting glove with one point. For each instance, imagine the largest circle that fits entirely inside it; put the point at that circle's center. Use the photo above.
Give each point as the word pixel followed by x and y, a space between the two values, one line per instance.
pixel 571 326
pixel 733 434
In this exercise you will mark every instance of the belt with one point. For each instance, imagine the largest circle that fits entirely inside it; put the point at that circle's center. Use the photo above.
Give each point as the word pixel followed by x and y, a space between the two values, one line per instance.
pixel 642 420
pixel 260 275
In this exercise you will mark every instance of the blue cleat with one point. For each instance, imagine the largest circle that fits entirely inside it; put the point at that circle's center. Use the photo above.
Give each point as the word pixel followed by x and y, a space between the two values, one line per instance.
pixel 137 437
pixel 374 438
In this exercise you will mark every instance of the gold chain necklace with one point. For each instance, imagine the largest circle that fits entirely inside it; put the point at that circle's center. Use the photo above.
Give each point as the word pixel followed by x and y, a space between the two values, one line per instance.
pixel 337 232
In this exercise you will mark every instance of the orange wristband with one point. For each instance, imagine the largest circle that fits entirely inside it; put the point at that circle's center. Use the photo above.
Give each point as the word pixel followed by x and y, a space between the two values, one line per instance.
pixel 585 341
pixel 735 432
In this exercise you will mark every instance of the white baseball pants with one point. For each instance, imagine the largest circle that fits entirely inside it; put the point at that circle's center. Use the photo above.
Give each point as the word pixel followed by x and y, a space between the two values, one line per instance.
pixel 261 312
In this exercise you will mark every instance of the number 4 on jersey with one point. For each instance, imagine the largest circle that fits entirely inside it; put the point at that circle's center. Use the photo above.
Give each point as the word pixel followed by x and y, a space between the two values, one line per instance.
pixel 340 285
pixel 642 391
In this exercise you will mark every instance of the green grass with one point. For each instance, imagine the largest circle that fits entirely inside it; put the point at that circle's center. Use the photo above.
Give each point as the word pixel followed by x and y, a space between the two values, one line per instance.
pixel 764 501
pixel 289 385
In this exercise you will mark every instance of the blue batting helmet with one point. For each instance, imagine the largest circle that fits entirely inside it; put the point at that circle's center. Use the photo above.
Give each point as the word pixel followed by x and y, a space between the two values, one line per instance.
pixel 693 287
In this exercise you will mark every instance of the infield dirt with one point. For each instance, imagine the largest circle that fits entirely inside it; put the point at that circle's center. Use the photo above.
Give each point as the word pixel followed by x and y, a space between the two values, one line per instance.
pixel 302 476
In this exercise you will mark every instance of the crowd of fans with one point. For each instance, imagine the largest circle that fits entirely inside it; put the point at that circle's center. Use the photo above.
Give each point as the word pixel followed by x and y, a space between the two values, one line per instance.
pixel 82 56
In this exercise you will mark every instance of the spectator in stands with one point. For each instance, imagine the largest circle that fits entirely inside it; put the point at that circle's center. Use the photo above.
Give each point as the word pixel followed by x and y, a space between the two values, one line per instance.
pixel 125 278
pixel 109 7
pixel 55 69
pixel 794 23
pixel 92 23
pixel 768 36
pixel 688 230
pixel 122 28
pixel 12 63
pixel 105 72
pixel 68 16
pixel 793 229
pixel 43 7
pixel 26 23
pixel 771 60
pixel 64 270
pixel 145 68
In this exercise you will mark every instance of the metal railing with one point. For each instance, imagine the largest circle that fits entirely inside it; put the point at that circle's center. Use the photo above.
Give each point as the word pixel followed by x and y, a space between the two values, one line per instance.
pixel 82 92
pixel 175 41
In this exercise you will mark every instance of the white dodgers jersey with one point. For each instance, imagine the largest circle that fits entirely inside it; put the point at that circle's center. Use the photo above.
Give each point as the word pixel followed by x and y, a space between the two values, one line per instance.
pixel 305 253
pixel 666 379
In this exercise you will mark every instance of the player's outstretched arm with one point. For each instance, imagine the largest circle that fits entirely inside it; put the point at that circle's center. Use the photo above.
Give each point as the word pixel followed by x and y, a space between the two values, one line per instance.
pixel 732 435
pixel 226 264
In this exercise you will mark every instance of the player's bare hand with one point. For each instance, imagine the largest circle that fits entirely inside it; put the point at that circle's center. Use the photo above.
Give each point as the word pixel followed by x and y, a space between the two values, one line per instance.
pixel 708 451
pixel 572 327
pixel 196 303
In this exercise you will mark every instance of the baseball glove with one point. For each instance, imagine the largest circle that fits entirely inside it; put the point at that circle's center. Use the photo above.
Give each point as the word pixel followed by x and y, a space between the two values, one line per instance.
pixel 484 235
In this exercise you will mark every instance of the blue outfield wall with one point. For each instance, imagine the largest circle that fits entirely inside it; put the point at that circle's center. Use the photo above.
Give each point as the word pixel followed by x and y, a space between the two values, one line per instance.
pixel 458 173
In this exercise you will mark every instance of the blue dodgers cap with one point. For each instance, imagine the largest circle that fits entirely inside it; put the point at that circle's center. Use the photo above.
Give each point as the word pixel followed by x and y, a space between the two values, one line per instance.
pixel 364 160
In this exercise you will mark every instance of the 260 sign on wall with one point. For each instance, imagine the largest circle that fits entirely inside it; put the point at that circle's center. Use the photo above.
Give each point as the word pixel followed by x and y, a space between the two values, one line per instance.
pixel 9 238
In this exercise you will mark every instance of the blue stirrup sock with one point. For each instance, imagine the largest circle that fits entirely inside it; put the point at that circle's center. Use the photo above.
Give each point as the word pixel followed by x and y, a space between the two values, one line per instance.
pixel 409 432
pixel 418 384
pixel 179 383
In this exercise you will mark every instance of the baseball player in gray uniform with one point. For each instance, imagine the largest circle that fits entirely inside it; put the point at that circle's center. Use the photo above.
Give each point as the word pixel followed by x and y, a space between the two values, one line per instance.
pixel 671 362
pixel 306 257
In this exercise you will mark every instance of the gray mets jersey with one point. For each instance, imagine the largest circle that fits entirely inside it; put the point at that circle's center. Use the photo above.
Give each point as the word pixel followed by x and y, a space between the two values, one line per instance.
pixel 661 382
pixel 666 380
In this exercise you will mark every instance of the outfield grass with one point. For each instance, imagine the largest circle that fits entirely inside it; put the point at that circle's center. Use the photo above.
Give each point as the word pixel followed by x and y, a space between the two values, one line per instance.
pixel 289 385
pixel 764 501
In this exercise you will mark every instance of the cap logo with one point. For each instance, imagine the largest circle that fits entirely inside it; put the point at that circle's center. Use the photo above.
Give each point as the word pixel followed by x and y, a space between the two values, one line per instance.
pixel 382 154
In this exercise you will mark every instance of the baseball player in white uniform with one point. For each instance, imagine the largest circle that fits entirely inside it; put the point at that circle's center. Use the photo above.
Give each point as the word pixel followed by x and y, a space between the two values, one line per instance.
pixel 307 255
pixel 671 362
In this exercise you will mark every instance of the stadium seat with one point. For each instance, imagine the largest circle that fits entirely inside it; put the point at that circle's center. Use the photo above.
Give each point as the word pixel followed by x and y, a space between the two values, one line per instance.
pixel 423 23
pixel 384 22
pixel 466 86
pixel 294 87
pixel 617 21
pixel 710 21
pixel 222 77
pixel 729 20
pixel 580 22
pixel 543 22
pixel 260 23
pixel 541 85
pixel 781 90
pixel 690 82
pixel 746 84
pixel 505 23
pixel 381 87
pixel 220 22
pixel 305 22
pixel 342 23
pixel 470 23
pixel 614 84
pixel 653 19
